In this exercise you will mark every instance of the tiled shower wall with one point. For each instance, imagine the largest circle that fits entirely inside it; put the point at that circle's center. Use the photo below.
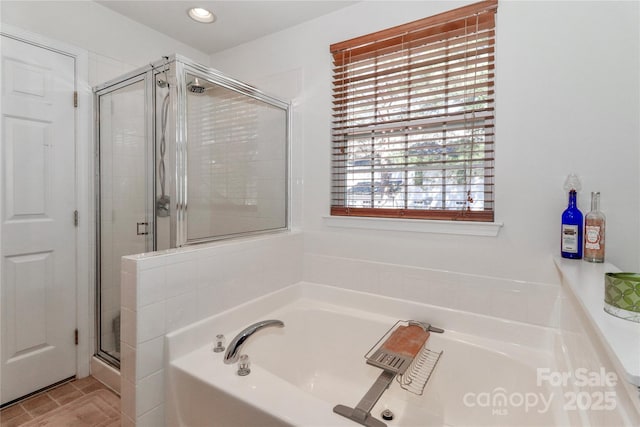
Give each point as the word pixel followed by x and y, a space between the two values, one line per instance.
pixel 168 290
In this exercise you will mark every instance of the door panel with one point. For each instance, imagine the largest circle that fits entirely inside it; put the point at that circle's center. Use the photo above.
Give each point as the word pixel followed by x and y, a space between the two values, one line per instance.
pixel 28 277
pixel 124 197
pixel 38 234
pixel 27 168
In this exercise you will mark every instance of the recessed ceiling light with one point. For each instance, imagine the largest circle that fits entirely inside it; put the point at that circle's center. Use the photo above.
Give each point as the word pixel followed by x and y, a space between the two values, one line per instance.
pixel 201 15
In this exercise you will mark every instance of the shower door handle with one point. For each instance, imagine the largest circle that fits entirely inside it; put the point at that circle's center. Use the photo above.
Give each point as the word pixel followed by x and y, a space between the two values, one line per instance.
pixel 141 228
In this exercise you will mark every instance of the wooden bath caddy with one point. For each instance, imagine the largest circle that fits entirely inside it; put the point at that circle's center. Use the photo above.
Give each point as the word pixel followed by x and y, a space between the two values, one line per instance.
pixel 402 355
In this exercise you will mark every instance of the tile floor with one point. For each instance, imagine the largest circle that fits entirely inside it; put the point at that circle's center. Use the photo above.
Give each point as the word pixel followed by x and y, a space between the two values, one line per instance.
pixel 41 404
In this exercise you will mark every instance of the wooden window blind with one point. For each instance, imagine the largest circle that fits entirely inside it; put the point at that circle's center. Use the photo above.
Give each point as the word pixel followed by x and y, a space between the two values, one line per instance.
pixel 413 119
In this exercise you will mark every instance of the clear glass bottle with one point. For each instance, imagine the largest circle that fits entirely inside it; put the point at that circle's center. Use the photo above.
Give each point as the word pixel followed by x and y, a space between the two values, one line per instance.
pixel 594 227
pixel 571 238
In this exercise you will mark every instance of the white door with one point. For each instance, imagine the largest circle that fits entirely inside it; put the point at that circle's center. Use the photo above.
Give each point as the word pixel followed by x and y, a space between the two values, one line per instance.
pixel 38 232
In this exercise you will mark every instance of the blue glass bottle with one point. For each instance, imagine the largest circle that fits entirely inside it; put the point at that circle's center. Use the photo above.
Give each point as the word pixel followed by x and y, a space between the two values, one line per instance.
pixel 571 240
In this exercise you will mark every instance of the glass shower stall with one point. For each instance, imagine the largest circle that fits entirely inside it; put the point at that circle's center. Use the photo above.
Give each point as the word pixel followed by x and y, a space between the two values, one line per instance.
pixel 184 155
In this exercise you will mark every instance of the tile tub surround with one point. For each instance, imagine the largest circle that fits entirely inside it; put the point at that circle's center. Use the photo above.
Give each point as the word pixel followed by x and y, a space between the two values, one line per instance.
pixel 167 290
pixel 527 302
pixel 172 289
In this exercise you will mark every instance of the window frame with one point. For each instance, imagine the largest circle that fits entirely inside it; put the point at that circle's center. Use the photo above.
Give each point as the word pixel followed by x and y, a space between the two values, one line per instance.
pixel 394 41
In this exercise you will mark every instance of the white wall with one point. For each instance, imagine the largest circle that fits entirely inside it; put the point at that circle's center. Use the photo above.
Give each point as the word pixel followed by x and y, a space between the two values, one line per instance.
pixel 567 101
pixel 95 28
pixel 115 45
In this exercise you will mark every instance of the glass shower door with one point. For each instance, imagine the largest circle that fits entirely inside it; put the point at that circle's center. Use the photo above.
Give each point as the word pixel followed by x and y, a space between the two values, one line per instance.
pixel 125 188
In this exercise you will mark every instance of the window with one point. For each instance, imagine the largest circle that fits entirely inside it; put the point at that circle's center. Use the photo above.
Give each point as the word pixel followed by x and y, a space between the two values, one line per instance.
pixel 413 119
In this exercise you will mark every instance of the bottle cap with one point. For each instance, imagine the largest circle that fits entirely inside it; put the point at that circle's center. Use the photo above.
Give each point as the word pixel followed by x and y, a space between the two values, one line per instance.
pixel 572 183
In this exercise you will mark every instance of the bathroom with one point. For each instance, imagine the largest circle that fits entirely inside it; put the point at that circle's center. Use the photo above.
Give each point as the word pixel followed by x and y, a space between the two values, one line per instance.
pixel 567 100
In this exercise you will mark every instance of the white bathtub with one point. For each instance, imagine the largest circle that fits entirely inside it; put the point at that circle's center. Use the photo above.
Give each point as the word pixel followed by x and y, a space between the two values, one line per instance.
pixel 487 374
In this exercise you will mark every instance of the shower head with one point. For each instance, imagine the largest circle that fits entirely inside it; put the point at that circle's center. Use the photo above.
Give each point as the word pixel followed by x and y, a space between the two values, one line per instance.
pixel 195 86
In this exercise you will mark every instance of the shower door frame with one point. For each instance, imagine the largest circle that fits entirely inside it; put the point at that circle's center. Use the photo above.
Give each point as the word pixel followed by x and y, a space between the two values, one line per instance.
pixel 176 66
pixel 147 76
pixel 179 221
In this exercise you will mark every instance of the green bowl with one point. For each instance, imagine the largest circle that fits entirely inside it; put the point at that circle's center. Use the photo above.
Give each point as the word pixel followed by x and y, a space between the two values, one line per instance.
pixel 622 295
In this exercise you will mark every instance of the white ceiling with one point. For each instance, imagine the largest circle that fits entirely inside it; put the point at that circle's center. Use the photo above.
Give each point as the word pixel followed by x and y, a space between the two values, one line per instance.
pixel 236 22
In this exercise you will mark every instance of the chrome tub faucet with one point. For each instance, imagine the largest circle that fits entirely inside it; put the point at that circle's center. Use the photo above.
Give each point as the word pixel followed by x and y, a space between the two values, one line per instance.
pixel 233 350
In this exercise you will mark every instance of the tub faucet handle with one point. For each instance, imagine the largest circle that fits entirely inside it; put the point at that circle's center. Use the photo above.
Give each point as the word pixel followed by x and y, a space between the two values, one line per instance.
pixel 219 346
pixel 244 365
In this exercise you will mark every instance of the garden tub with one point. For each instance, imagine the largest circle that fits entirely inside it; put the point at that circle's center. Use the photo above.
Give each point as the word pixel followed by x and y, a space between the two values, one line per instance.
pixel 491 372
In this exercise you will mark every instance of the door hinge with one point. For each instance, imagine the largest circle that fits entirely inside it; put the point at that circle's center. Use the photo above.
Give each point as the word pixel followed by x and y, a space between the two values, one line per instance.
pixel 75 336
pixel 75 99
pixel 75 218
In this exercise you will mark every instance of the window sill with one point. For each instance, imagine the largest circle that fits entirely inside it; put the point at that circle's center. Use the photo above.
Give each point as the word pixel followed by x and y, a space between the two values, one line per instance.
pixel 465 228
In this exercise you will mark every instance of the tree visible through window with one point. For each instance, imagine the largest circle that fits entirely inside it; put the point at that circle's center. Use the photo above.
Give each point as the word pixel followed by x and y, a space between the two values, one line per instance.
pixel 413 119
